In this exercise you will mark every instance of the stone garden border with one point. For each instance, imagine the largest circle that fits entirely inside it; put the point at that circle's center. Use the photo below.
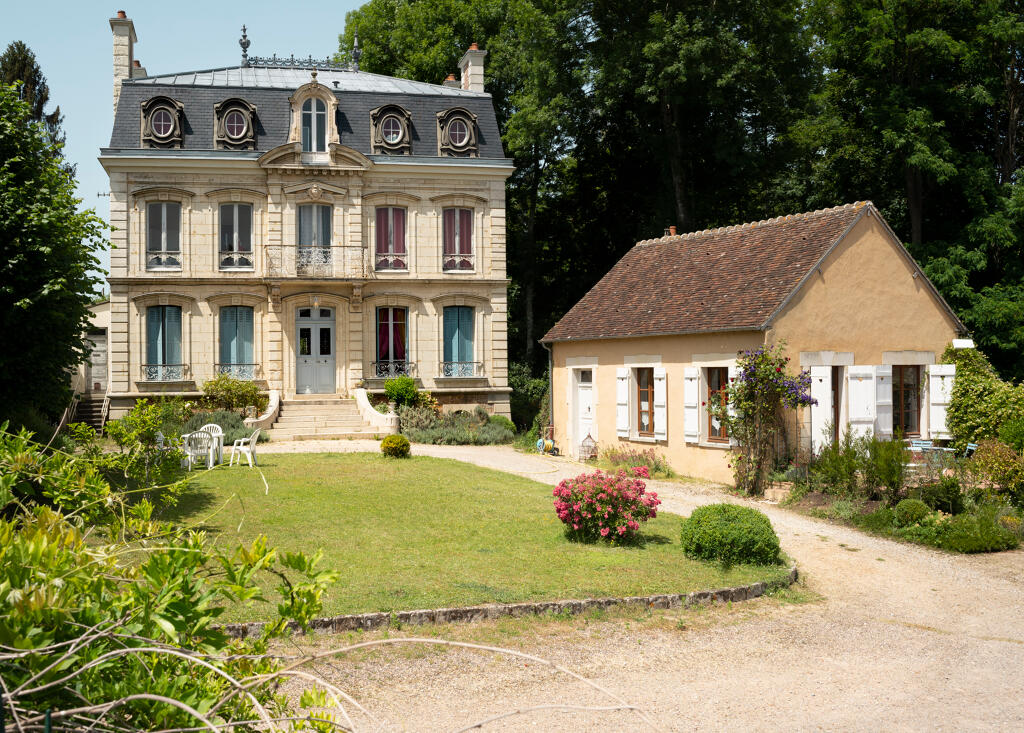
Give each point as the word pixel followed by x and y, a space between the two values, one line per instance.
pixel 369 621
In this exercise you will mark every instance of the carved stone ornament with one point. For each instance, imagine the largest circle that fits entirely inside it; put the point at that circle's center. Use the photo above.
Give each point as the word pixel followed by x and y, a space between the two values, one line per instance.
pixel 457 133
pixel 163 122
pixel 234 125
pixel 315 192
pixel 391 130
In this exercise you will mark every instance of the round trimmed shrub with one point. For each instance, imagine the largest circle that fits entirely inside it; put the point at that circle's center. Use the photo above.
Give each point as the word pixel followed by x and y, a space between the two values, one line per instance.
pixel 910 511
pixel 731 534
pixel 607 506
pixel 395 446
pixel 502 422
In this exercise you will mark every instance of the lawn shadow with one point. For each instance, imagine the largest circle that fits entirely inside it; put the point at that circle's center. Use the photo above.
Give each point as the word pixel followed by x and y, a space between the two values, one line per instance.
pixel 195 499
pixel 638 541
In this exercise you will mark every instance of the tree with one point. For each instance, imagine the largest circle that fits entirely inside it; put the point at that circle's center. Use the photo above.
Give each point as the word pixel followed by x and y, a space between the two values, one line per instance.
pixel 47 250
pixel 18 64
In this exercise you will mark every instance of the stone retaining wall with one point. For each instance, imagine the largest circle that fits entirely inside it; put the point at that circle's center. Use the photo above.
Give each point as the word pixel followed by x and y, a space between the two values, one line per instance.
pixel 368 621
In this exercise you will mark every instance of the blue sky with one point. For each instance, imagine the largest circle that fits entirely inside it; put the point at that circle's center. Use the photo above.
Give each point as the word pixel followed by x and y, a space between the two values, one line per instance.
pixel 72 43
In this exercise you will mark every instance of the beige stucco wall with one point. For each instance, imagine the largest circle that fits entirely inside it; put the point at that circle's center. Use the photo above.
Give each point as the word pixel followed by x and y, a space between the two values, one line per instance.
pixel 864 306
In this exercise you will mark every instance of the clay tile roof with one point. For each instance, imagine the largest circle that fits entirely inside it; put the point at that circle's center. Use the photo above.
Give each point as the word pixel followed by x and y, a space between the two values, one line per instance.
pixel 727 279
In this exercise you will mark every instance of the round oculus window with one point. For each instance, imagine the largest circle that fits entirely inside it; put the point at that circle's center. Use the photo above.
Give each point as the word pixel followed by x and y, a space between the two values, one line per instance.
pixel 234 124
pixel 391 130
pixel 162 122
pixel 458 132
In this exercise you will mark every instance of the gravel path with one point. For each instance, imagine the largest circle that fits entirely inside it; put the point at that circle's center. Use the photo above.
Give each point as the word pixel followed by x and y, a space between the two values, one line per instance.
pixel 907 638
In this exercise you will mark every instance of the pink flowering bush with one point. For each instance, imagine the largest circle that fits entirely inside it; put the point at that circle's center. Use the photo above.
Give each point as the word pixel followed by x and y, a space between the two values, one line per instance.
pixel 606 505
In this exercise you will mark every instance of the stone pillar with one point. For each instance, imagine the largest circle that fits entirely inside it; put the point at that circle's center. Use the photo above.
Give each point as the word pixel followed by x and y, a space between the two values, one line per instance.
pixel 472 67
pixel 123 30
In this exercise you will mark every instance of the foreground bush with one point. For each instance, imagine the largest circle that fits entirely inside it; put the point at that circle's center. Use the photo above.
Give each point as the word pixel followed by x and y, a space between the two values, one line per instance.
pixel 402 391
pixel 607 506
pixel 910 511
pixel 227 393
pixel 425 425
pixel 730 534
pixel 395 446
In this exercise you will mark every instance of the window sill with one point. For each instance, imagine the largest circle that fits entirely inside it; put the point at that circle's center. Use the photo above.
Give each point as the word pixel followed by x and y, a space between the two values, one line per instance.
pixel 644 439
pixel 403 271
pixel 238 269
pixel 163 269
pixel 455 271
pixel 714 444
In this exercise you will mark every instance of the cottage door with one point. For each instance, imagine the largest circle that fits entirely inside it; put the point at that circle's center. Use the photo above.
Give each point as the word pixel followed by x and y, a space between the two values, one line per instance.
pixel 584 405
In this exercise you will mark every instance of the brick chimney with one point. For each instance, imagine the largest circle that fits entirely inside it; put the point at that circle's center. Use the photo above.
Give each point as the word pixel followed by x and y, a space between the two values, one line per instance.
pixel 138 70
pixel 472 67
pixel 123 30
pixel 451 81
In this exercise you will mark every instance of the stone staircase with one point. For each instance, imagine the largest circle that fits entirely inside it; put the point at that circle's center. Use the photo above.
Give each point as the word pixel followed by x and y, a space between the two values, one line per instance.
pixel 320 417
pixel 90 411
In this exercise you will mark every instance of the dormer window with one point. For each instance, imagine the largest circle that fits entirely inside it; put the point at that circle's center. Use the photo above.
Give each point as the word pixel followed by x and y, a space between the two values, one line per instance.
pixel 234 125
pixel 314 126
pixel 456 133
pixel 391 130
pixel 162 119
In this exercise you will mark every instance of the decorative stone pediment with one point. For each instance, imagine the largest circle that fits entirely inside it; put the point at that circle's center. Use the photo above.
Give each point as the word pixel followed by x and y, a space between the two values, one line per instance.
pixel 289 158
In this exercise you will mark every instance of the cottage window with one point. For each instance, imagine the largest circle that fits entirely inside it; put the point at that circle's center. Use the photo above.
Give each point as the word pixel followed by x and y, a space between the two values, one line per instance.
pixel 314 126
pixel 906 400
pixel 163 228
pixel 458 342
pixel 645 402
pixel 236 236
pixel 390 249
pixel 392 344
pixel 163 344
pixel 236 342
pixel 457 239
pixel 718 385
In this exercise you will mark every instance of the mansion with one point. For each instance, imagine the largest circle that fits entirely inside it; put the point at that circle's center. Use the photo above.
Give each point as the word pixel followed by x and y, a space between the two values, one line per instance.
pixel 312 227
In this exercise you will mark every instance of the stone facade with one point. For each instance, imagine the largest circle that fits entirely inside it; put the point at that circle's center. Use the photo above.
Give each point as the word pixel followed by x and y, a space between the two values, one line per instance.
pixel 279 284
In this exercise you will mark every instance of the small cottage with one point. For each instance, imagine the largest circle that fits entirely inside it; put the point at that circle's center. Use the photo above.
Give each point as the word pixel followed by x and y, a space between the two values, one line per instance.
pixel 637 361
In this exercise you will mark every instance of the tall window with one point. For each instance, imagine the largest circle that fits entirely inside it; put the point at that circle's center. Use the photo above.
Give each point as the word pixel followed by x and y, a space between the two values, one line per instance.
pixel 645 401
pixel 236 236
pixel 458 239
pixel 458 342
pixel 314 236
pixel 391 238
pixel 236 338
pixel 392 351
pixel 314 126
pixel 718 386
pixel 163 344
pixel 906 399
pixel 163 227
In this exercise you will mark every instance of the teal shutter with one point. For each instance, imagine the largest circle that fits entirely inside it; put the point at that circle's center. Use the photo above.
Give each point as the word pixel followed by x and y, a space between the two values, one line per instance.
pixel 245 338
pixel 451 333
pixel 228 334
pixel 465 334
pixel 154 337
pixel 172 334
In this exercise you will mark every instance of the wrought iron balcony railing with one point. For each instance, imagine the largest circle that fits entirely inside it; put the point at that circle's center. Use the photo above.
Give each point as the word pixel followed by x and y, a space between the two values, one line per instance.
pixel 163 260
pixel 462 369
pixel 238 371
pixel 164 372
pixel 237 260
pixel 454 262
pixel 289 260
pixel 392 369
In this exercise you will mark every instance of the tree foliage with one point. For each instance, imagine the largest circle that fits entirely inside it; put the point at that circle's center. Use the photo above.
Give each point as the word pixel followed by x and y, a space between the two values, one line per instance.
pixel 47 252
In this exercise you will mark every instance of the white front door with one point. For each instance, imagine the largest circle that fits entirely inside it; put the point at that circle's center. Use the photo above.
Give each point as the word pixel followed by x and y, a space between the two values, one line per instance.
pixel 584 404
pixel 315 359
pixel 96 373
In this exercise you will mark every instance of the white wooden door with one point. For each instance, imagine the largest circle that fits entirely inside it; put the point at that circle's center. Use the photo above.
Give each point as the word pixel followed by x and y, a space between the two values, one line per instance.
pixel 315 359
pixel 584 405
pixel 96 376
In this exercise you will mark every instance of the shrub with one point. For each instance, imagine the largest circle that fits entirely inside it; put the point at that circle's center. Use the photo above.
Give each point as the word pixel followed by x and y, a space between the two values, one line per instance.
pixel 981 403
pixel 228 393
pixel 1012 433
pixel 1001 468
pixel 982 531
pixel 654 461
pixel 945 496
pixel 602 505
pixel 395 446
pixel 402 391
pixel 910 511
pixel 835 466
pixel 417 418
pixel 423 425
pixel 881 520
pixel 502 422
pixel 527 394
pixel 730 534
pixel 884 464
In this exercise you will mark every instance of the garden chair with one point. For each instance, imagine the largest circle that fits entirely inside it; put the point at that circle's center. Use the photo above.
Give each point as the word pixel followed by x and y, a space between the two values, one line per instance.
pixel 969 450
pixel 198 446
pixel 218 438
pixel 246 446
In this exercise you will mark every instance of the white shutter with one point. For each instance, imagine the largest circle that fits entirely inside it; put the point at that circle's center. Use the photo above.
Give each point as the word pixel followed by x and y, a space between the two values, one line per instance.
pixel 660 405
pixel 622 402
pixel 691 404
pixel 731 406
pixel 821 413
pixel 940 389
pixel 860 386
pixel 883 401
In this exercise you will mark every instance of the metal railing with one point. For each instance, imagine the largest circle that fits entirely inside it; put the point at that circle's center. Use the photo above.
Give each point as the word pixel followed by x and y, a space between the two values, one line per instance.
pixel 289 260
pixel 455 262
pixel 238 371
pixel 461 369
pixel 237 260
pixel 163 372
pixel 163 260
pixel 392 369
pixel 388 261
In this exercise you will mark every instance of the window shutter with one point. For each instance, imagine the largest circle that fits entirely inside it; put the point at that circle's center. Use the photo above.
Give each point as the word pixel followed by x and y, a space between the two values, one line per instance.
pixel 451 332
pixel 731 406
pixel 448 231
pixel 172 335
pixel 228 334
pixel 622 402
pixel 940 389
pixel 883 401
pixel 399 231
pixel 691 404
pixel 154 324
pixel 860 382
pixel 465 333
pixel 660 404
pixel 382 231
pixel 821 413
pixel 245 335
pixel 465 231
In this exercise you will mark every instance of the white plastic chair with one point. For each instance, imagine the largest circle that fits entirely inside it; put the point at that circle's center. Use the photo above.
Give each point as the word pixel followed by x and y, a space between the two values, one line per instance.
pixel 218 438
pixel 198 447
pixel 246 446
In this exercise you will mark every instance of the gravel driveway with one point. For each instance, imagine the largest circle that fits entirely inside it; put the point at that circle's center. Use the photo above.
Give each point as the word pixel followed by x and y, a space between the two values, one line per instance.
pixel 906 638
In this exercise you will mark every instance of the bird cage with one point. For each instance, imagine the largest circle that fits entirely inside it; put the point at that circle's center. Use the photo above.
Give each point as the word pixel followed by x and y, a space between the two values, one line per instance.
pixel 588 448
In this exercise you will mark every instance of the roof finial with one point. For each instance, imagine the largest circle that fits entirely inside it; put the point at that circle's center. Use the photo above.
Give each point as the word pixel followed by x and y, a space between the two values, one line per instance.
pixel 356 53
pixel 244 43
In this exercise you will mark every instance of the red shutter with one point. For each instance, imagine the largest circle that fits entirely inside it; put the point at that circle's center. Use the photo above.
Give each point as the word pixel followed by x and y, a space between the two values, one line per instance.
pixel 382 231
pixel 399 216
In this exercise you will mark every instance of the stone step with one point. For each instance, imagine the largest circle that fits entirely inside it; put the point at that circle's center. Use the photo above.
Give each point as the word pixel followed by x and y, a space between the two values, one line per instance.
pixel 277 435
pixel 317 399
pixel 328 422
pixel 319 409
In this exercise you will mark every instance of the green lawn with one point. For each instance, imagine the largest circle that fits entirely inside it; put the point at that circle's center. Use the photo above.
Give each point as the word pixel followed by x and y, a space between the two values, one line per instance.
pixel 428 532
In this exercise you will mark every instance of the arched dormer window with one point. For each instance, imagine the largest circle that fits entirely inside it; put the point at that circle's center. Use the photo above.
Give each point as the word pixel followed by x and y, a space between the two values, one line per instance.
pixel 162 123
pixel 314 126
pixel 391 130
pixel 234 125
pixel 314 111
pixel 457 133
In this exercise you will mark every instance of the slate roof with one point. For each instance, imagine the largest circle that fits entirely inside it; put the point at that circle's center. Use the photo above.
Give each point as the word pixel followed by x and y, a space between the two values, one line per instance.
pixel 727 279
pixel 268 88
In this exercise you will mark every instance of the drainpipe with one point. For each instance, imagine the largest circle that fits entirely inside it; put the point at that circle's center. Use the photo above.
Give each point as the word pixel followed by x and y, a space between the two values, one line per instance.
pixel 551 389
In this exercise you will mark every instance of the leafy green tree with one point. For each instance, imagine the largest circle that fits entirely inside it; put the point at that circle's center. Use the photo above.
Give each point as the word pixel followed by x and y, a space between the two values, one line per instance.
pixel 47 252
